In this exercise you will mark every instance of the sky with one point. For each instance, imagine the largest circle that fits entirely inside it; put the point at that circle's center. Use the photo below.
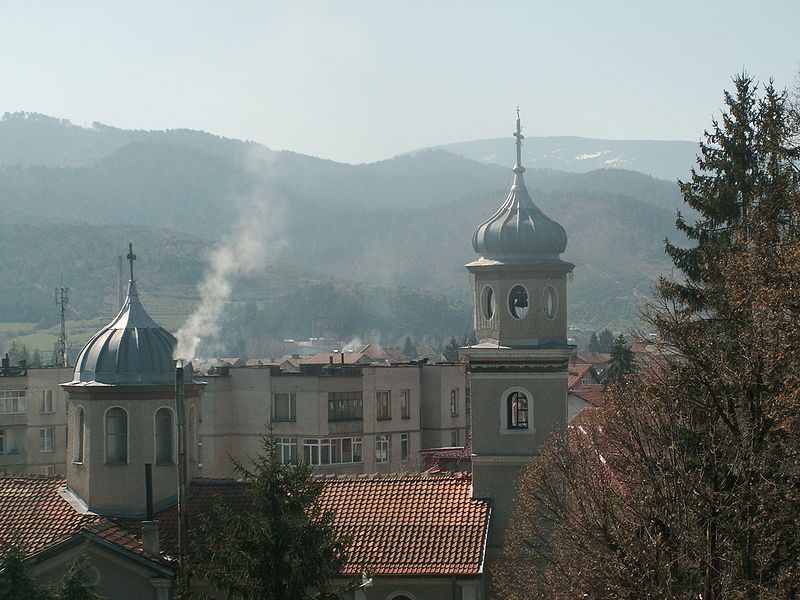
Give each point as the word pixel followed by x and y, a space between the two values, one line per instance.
pixel 359 81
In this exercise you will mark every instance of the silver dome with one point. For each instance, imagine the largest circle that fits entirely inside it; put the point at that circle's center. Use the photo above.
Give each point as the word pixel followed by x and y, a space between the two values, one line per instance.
pixel 131 350
pixel 519 230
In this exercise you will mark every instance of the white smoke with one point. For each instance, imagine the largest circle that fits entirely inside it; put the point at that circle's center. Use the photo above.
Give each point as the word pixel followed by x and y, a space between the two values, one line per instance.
pixel 241 253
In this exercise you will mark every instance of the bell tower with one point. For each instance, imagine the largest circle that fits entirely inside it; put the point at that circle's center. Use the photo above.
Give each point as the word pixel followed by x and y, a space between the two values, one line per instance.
pixel 518 369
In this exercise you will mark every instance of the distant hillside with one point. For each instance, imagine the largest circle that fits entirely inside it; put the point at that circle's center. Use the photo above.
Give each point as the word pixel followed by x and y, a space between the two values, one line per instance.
pixel 277 302
pixel 668 160
pixel 405 221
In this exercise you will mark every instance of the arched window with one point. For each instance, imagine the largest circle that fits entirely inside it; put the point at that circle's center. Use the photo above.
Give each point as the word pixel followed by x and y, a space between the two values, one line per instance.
pixel 164 437
pixel 517 407
pixel 400 596
pixel 80 432
pixel 116 436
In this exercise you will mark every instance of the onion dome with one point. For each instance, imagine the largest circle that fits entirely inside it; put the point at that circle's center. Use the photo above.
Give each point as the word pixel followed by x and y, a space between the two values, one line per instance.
pixel 131 350
pixel 519 230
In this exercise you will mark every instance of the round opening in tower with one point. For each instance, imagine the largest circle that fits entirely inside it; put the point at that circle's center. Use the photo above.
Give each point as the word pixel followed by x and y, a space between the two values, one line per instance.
pixel 488 302
pixel 518 302
pixel 550 302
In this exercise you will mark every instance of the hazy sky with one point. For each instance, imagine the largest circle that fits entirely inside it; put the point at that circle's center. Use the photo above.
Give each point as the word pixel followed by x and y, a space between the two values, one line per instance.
pixel 362 81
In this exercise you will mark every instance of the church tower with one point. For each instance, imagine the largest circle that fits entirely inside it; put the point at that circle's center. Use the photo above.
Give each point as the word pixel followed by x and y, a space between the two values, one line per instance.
pixel 121 414
pixel 518 369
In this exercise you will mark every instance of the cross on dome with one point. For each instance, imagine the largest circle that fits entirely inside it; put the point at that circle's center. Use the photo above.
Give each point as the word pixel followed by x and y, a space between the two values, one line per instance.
pixel 518 168
pixel 131 257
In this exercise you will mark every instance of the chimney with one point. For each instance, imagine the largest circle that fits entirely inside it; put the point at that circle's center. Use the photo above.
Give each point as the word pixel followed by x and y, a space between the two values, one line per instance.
pixel 6 361
pixel 330 359
pixel 150 538
pixel 342 355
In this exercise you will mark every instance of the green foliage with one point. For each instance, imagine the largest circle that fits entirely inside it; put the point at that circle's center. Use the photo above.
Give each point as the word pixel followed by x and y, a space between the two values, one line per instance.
pixel 18 583
pixel 594 343
pixel 451 350
pixel 605 340
pixel 74 586
pixel 284 548
pixel 621 360
pixel 409 349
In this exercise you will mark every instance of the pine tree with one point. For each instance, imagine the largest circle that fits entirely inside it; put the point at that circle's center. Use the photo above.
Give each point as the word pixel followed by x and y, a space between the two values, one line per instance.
pixel 451 351
pixel 284 548
pixel 16 582
pixel 606 340
pixel 408 348
pixel 594 343
pixel 74 585
pixel 621 360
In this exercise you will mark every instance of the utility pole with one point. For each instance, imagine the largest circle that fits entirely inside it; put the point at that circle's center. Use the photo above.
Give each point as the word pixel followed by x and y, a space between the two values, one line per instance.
pixel 62 299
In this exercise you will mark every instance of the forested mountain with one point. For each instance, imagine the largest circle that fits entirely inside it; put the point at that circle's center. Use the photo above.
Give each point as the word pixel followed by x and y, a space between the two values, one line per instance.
pixel 405 221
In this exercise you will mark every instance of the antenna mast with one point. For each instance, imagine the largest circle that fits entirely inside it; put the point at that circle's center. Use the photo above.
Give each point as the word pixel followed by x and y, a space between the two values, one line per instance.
pixel 62 299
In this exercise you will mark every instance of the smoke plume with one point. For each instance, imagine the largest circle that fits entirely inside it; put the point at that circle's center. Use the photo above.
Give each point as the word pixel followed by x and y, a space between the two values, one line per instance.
pixel 241 253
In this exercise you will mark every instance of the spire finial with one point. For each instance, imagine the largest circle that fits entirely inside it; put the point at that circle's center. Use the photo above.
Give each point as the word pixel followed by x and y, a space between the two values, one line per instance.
pixel 131 257
pixel 518 168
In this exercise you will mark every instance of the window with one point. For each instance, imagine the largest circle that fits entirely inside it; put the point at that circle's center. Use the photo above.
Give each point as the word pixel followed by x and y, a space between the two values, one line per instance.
pixel 405 404
pixel 518 302
pixel 335 451
pixel 164 437
pixel 47 401
pixel 345 450
pixel 2 441
pixel 80 432
pixel 13 402
pixel 384 405
pixel 344 406
pixel 49 470
pixel 467 400
pixel 287 450
pixel 517 406
pixel 488 302
pixel 403 446
pixel 284 407
pixel 550 302
pixel 382 449
pixel 46 441
pixel 454 402
pixel 116 436
pixel 454 441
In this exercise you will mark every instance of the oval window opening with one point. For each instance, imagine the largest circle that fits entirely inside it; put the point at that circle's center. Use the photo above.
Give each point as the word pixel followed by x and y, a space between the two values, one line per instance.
pixel 518 302
pixel 488 303
pixel 550 302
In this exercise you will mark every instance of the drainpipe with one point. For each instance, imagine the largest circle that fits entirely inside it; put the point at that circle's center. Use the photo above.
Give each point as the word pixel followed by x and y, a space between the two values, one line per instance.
pixel 183 515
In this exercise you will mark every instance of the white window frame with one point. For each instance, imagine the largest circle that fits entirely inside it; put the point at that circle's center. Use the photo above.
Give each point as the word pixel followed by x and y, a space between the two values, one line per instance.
pixel 405 446
pixel 292 396
pixel 2 441
pixel 44 447
pixel 380 396
pixel 286 448
pixel 383 446
pixel 405 404
pixel 504 428
pixel 17 400
pixel 48 402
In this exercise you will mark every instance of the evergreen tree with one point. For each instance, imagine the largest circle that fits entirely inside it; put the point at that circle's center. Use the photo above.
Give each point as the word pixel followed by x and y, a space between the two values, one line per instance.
pixel 16 582
pixel 594 343
pixel 408 348
pixel 621 360
pixel 606 340
pixel 451 351
pixel 284 548
pixel 74 586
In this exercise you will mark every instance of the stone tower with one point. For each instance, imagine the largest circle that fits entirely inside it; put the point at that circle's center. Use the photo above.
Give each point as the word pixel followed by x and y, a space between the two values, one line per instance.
pixel 121 413
pixel 518 369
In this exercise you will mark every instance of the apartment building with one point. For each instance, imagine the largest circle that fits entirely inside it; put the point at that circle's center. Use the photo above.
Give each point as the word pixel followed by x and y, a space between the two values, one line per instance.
pixel 338 418
pixel 33 424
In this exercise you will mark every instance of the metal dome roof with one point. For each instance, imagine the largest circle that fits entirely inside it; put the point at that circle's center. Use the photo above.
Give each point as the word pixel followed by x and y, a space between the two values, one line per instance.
pixel 131 350
pixel 519 230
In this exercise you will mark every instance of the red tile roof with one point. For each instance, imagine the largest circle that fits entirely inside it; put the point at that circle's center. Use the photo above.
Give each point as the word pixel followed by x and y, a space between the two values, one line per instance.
pixel 578 372
pixel 593 358
pixel 33 515
pixel 398 524
pixel 409 524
